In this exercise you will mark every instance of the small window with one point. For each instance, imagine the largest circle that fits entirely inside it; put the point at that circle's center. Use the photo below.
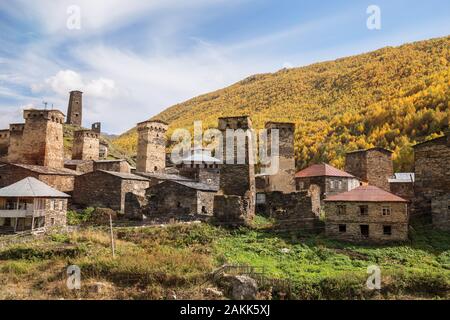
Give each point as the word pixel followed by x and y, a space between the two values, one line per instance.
pixel 364 230
pixel 364 210
pixel 341 209
pixel 155 168
pixel 332 184
pixel 386 210
pixel 342 228
pixel 52 221
pixel 339 184
pixel 52 204
pixel 387 230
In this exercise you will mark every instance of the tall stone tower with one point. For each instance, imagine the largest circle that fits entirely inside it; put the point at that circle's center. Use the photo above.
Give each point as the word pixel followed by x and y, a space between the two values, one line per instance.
pixel 282 179
pixel 235 203
pixel 42 141
pixel 151 151
pixel 4 142
pixel 86 145
pixel 75 108
pixel 97 127
pixel 372 166
pixel 15 142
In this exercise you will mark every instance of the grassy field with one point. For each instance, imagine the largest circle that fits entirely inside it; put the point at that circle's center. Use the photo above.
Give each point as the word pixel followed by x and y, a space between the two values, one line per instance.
pixel 176 261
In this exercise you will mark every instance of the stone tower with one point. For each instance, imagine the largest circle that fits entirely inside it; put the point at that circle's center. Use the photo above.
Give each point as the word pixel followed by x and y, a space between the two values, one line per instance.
pixel 282 179
pixel 235 203
pixel 15 142
pixel 75 108
pixel 42 141
pixel 151 151
pixel 97 127
pixel 4 142
pixel 372 166
pixel 86 145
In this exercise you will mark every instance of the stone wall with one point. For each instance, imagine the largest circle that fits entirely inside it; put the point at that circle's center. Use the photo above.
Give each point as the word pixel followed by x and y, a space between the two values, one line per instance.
pixel 42 140
pixel 4 142
pixel 86 145
pixel 208 175
pixel 101 189
pixel 231 210
pixel 373 166
pixel 170 199
pixel 351 218
pixel 15 141
pixel 81 166
pixel 404 190
pixel 291 210
pixel 432 173
pixel 440 211
pixel 113 165
pixel 134 205
pixel 151 151
pixel 75 108
pixel 283 179
pixel 55 213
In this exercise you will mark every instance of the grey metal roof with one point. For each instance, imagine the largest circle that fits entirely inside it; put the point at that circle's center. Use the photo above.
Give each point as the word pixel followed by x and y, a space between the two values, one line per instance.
pixel 402 177
pixel 32 188
pixel 123 175
pixel 198 186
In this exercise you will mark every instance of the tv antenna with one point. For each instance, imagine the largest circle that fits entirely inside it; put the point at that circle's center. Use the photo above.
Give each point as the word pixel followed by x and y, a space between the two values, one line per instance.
pixel 45 103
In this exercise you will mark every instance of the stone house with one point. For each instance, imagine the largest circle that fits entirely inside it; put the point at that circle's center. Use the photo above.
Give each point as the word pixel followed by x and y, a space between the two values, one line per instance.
pixel 291 210
pixel 372 166
pixel 366 213
pixel 107 189
pixel 58 178
pixel 322 180
pixel 172 198
pixel 118 165
pixel 81 166
pixel 30 204
pixel 103 150
pixel 432 173
pixel 86 144
pixel 402 185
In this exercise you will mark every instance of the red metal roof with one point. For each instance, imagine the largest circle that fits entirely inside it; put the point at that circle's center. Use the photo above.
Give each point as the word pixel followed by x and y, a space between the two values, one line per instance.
pixel 321 170
pixel 366 194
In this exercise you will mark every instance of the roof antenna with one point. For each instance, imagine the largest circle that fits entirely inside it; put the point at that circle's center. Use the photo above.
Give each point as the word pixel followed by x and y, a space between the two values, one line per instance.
pixel 45 103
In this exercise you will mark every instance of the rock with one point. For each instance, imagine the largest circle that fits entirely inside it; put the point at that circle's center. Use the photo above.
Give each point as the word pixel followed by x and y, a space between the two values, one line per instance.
pixel 101 215
pixel 240 287
pixel 285 250
pixel 98 287
pixel 213 292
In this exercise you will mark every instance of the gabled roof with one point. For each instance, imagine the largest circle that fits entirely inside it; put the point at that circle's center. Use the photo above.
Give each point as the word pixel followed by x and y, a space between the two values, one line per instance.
pixel 194 185
pixel 31 188
pixel 123 175
pixel 366 194
pixel 322 170
pixel 372 149
pixel 441 139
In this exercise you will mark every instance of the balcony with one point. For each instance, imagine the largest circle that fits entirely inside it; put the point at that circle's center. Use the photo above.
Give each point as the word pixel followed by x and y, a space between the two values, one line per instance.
pixel 22 210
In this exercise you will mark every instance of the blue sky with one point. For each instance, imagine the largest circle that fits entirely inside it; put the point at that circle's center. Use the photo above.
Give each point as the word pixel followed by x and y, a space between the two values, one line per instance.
pixel 132 59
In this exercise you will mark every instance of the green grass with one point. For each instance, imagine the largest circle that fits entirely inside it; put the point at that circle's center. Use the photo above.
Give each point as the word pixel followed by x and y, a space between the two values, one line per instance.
pixel 154 262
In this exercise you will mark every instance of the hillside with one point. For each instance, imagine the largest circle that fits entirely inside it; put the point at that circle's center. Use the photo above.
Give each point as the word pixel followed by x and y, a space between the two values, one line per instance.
pixel 392 97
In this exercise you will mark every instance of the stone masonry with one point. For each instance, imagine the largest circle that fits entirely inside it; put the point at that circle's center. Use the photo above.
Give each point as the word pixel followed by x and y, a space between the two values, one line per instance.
pixel 75 108
pixel 4 142
pixel 151 151
pixel 235 203
pixel 440 211
pixel 85 145
pixel 15 141
pixel 283 179
pixel 42 141
pixel 373 166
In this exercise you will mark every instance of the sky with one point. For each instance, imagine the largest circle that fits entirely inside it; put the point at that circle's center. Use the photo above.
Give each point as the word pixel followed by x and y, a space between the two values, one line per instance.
pixel 135 58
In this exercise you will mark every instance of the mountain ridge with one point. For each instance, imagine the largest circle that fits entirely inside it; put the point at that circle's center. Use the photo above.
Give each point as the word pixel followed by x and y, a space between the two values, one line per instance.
pixel 392 97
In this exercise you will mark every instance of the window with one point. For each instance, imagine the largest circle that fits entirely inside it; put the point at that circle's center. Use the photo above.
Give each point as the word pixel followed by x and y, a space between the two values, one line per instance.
pixel 386 210
pixel 364 210
pixel 364 230
pixel 339 184
pixel 52 221
pixel 341 209
pixel 52 204
pixel 387 230
pixel 332 184
pixel 342 228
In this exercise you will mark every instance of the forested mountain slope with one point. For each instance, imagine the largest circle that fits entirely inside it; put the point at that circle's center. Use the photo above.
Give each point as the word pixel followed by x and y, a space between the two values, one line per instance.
pixel 392 97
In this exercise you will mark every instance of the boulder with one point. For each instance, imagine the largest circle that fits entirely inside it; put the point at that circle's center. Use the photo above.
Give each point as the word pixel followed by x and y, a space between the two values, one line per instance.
pixel 240 287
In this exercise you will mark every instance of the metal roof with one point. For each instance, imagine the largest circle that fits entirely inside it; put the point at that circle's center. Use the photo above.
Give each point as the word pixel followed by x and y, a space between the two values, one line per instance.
pixel 322 170
pixel 366 194
pixel 402 177
pixel 31 188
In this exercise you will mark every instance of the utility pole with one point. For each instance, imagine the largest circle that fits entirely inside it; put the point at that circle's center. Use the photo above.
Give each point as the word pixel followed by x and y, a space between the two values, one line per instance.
pixel 112 236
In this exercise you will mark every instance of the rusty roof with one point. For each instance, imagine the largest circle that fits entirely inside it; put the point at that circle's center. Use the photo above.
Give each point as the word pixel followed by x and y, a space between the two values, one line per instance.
pixel 322 170
pixel 366 194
